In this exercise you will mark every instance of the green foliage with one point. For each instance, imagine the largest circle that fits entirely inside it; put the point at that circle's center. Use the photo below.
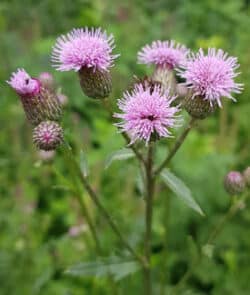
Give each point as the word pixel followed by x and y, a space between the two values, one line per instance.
pixel 180 189
pixel 42 230
pixel 113 266
pixel 122 154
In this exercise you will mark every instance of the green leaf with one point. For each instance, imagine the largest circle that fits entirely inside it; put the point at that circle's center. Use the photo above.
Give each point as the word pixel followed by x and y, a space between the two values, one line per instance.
pixel 84 164
pixel 122 154
pixel 180 189
pixel 113 265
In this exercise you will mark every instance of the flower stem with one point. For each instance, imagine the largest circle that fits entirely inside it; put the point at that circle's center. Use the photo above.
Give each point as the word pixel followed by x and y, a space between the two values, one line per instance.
pixel 148 219
pixel 176 147
pixel 101 208
pixel 109 219
pixel 90 223
pixel 166 220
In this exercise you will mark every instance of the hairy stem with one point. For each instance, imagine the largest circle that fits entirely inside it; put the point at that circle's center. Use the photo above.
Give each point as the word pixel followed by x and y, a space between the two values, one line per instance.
pixel 176 146
pixel 148 219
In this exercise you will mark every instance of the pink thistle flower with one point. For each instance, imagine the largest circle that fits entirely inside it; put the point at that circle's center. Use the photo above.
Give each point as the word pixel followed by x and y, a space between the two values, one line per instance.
pixel 23 84
pixel 211 76
pixel 163 53
pixel 39 101
pixel 90 48
pixel 146 112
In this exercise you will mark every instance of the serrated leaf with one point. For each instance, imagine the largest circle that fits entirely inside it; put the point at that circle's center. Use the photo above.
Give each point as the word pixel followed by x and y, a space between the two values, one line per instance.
pixel 180 189
pixel 84 164
pixel 122 154
pixel 118 267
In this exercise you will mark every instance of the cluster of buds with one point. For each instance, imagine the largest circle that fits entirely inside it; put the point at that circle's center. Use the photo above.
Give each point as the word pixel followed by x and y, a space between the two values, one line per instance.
pixel 42 107
pixel 236 182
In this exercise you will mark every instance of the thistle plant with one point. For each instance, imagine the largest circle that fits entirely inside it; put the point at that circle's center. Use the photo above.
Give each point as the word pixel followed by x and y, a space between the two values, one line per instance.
pixel 148 112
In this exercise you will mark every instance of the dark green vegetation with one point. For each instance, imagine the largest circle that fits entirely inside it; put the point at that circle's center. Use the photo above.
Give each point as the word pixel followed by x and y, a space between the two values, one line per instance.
pixel 36 209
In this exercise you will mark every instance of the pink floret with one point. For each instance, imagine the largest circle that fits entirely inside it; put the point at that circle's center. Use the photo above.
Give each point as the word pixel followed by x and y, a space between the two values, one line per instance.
pixel 23 84
pixel 91 48
pixel 146 112
pixel 163 53
pixel 212 76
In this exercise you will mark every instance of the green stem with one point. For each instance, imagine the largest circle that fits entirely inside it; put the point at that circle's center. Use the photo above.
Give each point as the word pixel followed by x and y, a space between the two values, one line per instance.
pixel 148 219
pixel 167 211
pixel 93 231
pixel 90 223
pixel 101 208
pixel 234 208
pixel 176 146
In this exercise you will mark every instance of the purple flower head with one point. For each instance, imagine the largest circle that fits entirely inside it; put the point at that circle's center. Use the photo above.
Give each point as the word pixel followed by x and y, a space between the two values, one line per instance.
pixel 89 48
pixel 146 112
pixel 163 53
pixel 212 76
pixel 23 84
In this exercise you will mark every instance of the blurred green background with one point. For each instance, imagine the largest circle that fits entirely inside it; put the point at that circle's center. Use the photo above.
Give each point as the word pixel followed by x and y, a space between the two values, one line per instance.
pixel 42 231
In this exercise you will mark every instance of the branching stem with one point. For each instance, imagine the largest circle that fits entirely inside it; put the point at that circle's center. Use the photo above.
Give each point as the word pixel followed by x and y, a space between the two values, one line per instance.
pixel 176 146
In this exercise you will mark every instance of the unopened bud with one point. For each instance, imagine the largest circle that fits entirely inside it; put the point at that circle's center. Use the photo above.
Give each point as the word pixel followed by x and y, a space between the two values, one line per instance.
pixel 48 135
pixel 197 106
pixel 234 183
pixel 246 175
pixel 43 106
pixel 95 83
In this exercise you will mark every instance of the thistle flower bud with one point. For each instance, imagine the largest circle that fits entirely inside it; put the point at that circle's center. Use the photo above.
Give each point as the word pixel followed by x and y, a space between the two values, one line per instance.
pixel 48 135
pixel 234 183
pixel 39 102
pixel 246 175
pixel 95 83
pixel 197 106
pixel 47 80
